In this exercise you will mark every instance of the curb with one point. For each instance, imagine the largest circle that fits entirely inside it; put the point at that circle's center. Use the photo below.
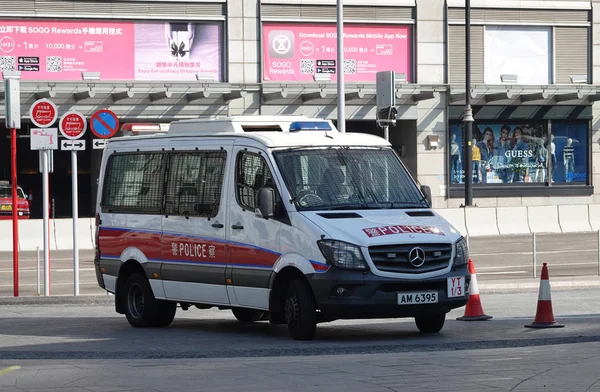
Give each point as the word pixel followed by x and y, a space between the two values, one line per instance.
pixel 86 300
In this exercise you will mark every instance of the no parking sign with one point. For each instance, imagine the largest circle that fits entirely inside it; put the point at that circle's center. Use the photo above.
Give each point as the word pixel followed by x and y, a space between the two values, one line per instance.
pixel 104 124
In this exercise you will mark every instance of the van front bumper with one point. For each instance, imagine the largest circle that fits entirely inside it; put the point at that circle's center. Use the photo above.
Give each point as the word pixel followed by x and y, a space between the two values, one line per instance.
pixel 368 296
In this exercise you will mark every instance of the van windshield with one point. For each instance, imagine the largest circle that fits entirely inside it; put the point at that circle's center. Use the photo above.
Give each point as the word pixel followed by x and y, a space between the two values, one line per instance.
pixel 342 178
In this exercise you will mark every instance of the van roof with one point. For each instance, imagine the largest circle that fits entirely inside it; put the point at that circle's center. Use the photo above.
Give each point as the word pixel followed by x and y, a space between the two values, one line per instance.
pixel 271 131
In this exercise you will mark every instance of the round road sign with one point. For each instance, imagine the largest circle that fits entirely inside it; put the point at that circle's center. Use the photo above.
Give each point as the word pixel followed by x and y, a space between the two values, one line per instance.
pixel 43 113
pixel 72 125
pixel 104 124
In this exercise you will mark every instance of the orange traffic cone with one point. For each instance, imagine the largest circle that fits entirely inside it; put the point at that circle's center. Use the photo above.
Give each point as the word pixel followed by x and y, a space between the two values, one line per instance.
pixel 474 310
pixel 544 317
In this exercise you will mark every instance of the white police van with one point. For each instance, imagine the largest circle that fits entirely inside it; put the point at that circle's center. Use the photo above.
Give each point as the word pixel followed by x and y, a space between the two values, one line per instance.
pixel 276 218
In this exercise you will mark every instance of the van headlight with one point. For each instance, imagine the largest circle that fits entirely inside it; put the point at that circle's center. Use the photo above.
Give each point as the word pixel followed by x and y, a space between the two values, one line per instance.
pixel 343 255
pixel 461 252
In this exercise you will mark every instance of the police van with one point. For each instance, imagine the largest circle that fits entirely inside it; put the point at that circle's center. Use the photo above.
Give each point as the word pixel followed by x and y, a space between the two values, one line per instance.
pixel 278 218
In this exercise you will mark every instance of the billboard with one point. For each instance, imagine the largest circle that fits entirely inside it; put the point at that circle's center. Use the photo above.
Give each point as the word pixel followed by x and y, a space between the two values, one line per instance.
pixel 61 50
pixel 294 52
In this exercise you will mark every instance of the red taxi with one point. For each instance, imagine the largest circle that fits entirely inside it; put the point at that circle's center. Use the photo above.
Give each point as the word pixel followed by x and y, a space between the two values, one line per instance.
pixel 6 206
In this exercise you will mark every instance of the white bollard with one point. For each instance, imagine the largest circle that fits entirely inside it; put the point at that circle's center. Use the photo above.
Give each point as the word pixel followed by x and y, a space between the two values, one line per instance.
pixel 37 257
pixel 534 256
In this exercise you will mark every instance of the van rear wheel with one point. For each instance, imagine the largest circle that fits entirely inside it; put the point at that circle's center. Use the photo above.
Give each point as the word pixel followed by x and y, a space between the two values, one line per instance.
pixel 432 323
pixel 300 311
pixel 142 309
pixel 247 315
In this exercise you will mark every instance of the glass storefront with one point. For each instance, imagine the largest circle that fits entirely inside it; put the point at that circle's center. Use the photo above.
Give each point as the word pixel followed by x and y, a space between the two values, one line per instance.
pixel 512 153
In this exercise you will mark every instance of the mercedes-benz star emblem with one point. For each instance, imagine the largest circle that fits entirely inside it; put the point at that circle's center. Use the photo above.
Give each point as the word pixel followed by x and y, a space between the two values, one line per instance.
pixel 416 257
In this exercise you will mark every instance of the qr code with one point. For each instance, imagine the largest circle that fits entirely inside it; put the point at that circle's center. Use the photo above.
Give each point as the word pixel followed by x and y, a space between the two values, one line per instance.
pixel 307 66
pixel 54 64
pixel 350 66
pixel 7 63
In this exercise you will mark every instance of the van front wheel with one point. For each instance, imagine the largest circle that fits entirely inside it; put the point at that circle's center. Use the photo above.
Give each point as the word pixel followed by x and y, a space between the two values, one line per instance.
pixel 300 311
pixel 142 309
pixel 431 323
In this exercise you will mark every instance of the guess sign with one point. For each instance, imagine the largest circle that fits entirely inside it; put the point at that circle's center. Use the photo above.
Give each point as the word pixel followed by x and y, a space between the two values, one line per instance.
pixel 401 229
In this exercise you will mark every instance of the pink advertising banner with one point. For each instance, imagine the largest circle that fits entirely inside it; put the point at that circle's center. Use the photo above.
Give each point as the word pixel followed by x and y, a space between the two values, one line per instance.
pixel 61 50
pixel 294 52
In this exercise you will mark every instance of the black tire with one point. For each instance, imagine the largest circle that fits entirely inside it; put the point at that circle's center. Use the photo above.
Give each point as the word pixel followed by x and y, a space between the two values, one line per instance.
pixel 300 311
pixel 431 323
pixel 247 315
pixel 141 308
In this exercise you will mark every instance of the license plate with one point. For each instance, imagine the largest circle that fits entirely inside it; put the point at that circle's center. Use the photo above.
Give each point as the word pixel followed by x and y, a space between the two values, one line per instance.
pixel 417 298
pixel 456 287
pixel 6 207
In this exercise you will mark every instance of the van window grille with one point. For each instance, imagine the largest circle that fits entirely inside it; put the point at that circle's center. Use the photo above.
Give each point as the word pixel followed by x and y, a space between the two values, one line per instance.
pixel 194 184
pixel 134 182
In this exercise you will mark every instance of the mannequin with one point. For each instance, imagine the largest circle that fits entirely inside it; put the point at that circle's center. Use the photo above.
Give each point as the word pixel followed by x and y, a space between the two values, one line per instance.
pixel 569 159
pixel 553 157
pixel 455 159
pixel 541 161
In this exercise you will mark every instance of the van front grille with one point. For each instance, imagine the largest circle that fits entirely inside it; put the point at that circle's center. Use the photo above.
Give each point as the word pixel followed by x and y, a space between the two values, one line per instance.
pixel 395 258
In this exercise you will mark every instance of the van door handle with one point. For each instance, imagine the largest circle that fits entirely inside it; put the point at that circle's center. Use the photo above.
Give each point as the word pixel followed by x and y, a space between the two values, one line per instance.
pixel 217 225
pixel 237 227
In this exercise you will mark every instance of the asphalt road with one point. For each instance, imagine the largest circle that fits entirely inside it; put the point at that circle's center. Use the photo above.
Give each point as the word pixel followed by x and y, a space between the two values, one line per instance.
pixel 496 258
pixel 91 348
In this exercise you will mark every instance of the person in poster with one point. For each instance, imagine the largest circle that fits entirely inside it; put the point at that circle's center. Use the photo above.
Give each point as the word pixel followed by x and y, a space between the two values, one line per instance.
pixel 486 149
pixel 510 153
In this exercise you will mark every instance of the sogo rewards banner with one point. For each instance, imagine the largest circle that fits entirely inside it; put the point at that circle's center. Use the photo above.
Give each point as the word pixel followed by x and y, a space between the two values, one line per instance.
pixel 61 50
pixel 294 52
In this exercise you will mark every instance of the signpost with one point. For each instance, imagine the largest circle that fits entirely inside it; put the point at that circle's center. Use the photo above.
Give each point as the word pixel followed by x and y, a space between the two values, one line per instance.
pixel 12 99
pixel 45 140
pixel 73 125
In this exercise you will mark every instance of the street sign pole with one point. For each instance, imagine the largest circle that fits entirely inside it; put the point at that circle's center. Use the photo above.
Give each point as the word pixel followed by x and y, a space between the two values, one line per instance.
pixel 72 126
pixel 12 91
pixel 45 189
pixel 15 210
pixel 75 219
pixel 341 97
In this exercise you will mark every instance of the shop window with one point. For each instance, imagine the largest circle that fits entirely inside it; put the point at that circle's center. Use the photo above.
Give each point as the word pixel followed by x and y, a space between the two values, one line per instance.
pixel 569 147
pixel 503 153
pixel 520 153
pixel 523 51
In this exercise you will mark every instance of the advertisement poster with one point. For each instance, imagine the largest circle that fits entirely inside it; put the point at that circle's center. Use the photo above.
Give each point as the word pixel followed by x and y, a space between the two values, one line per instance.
pixel 503 153
pixel 294 52
pixel 61 50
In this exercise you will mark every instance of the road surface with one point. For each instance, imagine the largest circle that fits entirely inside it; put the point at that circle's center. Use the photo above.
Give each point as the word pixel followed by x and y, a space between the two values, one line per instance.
pixel 90 348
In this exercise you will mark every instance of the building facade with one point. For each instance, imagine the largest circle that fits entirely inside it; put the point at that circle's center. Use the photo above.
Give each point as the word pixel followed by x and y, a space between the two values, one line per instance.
pixel 533 64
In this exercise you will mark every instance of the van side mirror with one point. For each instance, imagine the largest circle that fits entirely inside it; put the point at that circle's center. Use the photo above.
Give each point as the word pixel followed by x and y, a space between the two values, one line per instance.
pixel 265 202
pixel 427 192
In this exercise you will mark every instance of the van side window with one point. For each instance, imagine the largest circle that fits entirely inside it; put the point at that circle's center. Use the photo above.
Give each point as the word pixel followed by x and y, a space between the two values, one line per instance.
pixel 194 183
pixel 134 182
pixel 252 173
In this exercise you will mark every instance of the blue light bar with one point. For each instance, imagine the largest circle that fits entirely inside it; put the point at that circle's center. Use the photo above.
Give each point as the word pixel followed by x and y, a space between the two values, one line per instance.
pixel 310 126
